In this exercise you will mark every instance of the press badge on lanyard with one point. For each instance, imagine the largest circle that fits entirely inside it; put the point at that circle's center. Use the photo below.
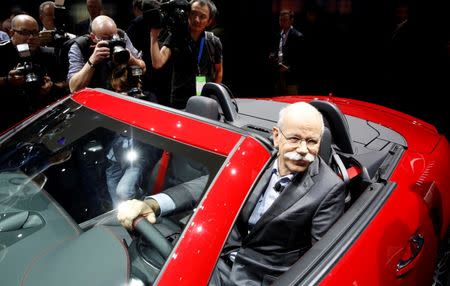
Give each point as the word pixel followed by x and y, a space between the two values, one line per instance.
pixel 200 80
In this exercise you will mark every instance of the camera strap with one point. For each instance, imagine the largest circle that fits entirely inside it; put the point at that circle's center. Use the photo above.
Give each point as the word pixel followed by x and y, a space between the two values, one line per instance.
pixel 200 53
pixel 200 80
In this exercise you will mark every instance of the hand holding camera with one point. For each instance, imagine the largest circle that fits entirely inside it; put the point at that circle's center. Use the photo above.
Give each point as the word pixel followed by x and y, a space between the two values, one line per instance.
pixel 46 37
pixel 101 52
pixel 16 78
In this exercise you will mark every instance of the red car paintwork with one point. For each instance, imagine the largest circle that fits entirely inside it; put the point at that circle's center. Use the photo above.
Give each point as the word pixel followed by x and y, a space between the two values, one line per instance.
pixel 188 130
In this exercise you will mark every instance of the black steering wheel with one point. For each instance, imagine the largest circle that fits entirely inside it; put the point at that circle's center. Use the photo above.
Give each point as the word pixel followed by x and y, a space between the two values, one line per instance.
pixel 153 236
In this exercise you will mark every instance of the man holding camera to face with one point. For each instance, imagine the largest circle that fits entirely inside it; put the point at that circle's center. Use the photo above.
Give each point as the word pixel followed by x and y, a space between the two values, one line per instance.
pixel 28 73
pixel 93 57
pixel 197 55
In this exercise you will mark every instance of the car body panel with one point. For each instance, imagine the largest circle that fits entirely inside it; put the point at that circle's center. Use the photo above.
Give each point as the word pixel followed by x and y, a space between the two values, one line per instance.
pixel 212 222
pixel 186 130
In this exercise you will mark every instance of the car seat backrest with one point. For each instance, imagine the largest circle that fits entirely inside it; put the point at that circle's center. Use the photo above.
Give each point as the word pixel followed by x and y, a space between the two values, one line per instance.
pixel 203 106
pixel 173 169
pixel 337 123
pixel 325 146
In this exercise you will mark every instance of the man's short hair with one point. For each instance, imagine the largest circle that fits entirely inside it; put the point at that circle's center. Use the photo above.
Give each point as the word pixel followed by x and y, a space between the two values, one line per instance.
pixel 45 4
pixel 212 7
pixel 137 4
pixel 290 13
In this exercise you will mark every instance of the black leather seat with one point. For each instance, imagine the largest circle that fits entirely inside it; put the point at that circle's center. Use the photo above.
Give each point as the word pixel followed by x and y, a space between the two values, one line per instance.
pixel 181 169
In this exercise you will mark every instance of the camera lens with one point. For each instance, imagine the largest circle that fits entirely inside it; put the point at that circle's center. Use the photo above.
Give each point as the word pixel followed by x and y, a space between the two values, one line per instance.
pixel 120 55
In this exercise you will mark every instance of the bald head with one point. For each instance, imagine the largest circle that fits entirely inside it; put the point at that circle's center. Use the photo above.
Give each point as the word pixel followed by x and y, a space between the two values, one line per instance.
pixel 25 29
pixel 301 112
pixel 103 27
pixel 22 20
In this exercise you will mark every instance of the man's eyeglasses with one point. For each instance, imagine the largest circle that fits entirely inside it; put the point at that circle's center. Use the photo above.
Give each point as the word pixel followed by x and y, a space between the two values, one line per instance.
pixel 105 38
pixel 27 33
pixel 294 140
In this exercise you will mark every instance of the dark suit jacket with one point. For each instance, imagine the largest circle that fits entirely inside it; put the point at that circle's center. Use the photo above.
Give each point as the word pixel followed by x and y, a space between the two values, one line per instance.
pixel 301 215
pixel 293 51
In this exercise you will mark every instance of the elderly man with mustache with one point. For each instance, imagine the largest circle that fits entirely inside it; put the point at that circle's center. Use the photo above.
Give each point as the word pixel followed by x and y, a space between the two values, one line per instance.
pixel 292 206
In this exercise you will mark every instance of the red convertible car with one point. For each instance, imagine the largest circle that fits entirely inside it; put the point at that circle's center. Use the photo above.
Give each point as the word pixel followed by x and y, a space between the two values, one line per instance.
pixel 58 223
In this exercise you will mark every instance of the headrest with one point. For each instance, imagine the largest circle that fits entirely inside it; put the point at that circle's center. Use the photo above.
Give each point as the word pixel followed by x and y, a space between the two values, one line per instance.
pixel 203 106
pixel 325 145
pixel 336 121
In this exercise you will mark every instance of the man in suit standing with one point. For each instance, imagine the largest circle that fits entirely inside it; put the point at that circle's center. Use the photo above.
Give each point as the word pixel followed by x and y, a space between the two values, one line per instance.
pixel 288 49
pixel 293 205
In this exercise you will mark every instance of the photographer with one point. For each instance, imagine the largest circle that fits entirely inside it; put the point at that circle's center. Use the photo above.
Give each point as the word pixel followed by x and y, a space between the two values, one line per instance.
pixel 197 56
pixel 49 33
pixel 28 73
pixel 93 57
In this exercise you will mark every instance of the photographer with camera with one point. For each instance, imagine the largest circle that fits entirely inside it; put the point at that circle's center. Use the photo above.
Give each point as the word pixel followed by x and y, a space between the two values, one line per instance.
pixel 50 33
pixel 28 73
pixel 92 57
pixel 197 54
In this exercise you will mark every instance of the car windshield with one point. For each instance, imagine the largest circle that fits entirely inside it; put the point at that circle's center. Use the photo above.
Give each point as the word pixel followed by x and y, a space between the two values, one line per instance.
pixel 88 163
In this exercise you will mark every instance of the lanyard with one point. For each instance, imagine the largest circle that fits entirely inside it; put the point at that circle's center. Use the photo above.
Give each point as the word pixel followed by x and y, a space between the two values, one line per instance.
pixel 200 52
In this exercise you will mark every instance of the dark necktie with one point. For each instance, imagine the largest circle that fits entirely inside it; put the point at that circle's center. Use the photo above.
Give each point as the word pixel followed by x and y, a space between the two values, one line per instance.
pixel 281 184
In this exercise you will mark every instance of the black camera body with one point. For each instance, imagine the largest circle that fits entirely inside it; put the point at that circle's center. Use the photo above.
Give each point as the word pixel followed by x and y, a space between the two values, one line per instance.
pixel 60 17
pixel 135 81
pixel 33 74
pixel 117 50
pixel 171 15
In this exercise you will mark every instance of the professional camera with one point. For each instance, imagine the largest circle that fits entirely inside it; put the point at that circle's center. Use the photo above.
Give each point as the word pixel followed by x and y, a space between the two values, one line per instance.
pixel 171 15
pixel 135 81
pixel 32 73
pixel 117 49
pixel 60 18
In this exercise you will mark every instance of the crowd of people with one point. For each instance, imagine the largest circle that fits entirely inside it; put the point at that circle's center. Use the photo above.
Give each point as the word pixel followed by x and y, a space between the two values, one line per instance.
pixel 43 64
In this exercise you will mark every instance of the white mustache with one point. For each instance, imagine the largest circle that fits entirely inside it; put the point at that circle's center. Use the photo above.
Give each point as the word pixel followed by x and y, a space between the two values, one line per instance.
pixel 294 156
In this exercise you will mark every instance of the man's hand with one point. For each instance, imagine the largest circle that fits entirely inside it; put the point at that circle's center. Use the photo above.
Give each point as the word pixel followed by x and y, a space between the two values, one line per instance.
pixel 47 86
pixel 154 33
pixel 100 53
pixel 283 68
pixel 129 210
pixel 16 78
pixel 45 37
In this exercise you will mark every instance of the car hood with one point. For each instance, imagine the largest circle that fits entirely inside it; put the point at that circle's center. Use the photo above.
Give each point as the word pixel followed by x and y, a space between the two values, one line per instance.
pixel 420 136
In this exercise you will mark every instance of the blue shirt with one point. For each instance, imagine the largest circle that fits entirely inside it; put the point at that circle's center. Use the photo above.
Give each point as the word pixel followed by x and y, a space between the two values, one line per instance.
pixel 270 195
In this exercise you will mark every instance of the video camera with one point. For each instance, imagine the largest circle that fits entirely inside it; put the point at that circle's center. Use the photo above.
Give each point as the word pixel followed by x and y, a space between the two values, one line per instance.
pixel 33 74
pixel 117 48
pixel 171 15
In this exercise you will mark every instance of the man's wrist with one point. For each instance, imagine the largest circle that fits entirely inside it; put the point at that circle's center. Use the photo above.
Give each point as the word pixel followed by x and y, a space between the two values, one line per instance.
pixel 153 204
pixel 90 63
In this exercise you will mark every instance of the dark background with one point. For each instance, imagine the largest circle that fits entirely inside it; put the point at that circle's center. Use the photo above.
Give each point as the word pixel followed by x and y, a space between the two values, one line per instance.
pixel 360 62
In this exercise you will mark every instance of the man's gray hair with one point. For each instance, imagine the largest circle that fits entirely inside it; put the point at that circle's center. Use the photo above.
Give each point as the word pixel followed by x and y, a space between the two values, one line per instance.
pixel 300 106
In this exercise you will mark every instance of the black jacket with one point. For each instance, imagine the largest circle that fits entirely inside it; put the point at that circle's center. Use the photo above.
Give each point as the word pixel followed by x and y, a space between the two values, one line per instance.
pixel 300 216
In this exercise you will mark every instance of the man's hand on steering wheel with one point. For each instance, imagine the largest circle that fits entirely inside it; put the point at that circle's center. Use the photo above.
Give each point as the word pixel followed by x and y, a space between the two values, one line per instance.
pixel 129 210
